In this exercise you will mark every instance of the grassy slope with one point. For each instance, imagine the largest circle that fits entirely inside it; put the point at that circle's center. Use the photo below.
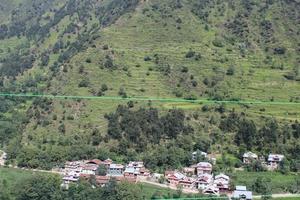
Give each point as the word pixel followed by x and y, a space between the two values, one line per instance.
pixel 279 183
pixel 136 35
pixel 14 176
pixel 139 34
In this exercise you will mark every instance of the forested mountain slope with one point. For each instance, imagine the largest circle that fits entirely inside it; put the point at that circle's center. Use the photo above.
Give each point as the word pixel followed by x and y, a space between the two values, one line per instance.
pixel 191 49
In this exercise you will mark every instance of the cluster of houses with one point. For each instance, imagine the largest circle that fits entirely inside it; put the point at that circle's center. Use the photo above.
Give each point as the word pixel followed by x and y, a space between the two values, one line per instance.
pixel 87 169
pixel 199 177
pixel 272 162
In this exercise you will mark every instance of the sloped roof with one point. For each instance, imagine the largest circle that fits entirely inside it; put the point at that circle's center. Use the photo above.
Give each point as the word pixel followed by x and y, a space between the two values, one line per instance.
pixel 222 176
pixel 275 157
pixel 204 165
pixel 249 154
pixel 242 194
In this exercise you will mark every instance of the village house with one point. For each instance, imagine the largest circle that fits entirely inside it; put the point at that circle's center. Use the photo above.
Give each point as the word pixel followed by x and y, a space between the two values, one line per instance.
pixel 99 180
pixel 136 168
pixel 189 171
pixel 241 193
pixel 204 180
pixel 248 157
pixel 203 168
pixel 75 166
pixel 89 169
pixel 187 183
pixel 91 166
pixel 72 172
pixel 222 182
pixel 106 163
pixel 136 164
pixel 102 180
pixel 115 170
pixel 211 190
pixel 274 160
pixel 144 172
pixel 131 172
pixel 71 177
pixel 174 177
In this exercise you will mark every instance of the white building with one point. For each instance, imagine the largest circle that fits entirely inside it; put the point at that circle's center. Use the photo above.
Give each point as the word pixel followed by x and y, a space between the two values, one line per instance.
pixel 204 180
pixel 211 190
pixel 204 168
pixel 248 157
pixel 222 182
pixel 241 193
pixel 274 160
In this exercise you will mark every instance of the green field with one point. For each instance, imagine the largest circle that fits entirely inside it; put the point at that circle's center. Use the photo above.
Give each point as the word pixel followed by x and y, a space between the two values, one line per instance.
pixel 230 51
pixel 13 176
pixel 164 193
pixel 280 183
pixel 149 30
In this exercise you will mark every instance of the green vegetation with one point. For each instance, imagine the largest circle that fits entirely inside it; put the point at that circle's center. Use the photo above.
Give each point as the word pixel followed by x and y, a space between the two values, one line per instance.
pixel 12 179
pixel 189 49
pixel 14 176
pixel 21 184
pixel 275 182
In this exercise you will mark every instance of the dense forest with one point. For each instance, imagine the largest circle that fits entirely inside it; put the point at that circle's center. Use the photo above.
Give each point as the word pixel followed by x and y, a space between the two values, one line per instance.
pixel 217 50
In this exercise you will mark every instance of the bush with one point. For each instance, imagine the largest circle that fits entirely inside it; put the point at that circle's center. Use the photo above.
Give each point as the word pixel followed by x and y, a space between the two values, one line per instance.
pixel 190 54
pixel 147 58
pixel 191 97
pixel 88 60
pixel 122 93
pixel 105 47
pixel 84 83
pixel 279 50
pixel 109 63
pixel 81 69
pixel 217 43
pixel 194 83
pixel 184 69
pixel 104 87
pixel 230 71
pixel 100 93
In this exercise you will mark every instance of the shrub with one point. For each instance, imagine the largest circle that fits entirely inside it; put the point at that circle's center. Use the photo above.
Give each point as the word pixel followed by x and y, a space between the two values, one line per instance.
pixel 191 97
pixel 147 58
pixel 81 69
pixel 122 93
pixel 109 63
pixel 198 56
pixel 84 83
pixel 105 47
pixel 194 83
pixel 190 54
pixel 179 21
pixel 217 43
pixel 100 93
pixel 230 71
pixel 88 60
pixel 279 50
pixel 104 87
pixel 184 69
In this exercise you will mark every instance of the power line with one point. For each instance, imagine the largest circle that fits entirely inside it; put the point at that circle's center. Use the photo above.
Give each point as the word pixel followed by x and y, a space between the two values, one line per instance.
pixel 198 198
pixel 174 100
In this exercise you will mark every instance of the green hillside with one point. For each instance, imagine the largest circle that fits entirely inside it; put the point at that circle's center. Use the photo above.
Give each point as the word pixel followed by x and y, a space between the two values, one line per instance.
pixel 188 49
